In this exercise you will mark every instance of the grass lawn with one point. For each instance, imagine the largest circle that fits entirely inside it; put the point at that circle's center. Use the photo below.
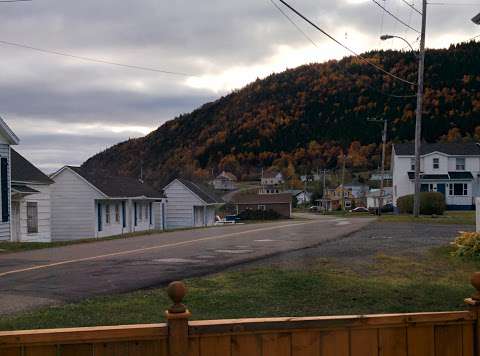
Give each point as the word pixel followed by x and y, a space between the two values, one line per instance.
pixel 450 217
pixel 8 247
pixel 434 282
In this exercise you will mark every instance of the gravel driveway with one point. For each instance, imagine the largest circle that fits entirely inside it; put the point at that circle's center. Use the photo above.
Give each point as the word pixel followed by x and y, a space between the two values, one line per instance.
pixel 401 239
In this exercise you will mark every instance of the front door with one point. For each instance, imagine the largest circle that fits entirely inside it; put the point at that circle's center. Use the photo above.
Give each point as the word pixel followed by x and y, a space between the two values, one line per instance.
pixel 15 221
pixel 441 189
pixel 198 215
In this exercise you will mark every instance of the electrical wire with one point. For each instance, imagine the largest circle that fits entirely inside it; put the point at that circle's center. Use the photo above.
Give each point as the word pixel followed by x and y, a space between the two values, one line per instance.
pixel 96 60
pixel 344 46
pixel 452 4
pixel 14 0
pixel 412 7
pixel 395 17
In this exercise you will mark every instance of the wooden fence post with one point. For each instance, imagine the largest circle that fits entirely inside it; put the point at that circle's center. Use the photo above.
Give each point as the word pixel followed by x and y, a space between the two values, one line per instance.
pixel 177 320
pixel 474 305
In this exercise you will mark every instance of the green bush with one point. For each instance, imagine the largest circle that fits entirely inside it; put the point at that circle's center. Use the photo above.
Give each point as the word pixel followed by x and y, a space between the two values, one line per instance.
pixel 430 203
pixel 250 214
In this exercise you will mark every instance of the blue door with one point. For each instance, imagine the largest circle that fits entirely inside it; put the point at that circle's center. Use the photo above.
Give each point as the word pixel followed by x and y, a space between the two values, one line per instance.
pixel 99 216
pixel 441 189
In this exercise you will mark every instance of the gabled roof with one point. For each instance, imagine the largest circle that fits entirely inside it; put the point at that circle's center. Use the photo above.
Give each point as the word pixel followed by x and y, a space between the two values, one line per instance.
pixel 8 133
pixel 449 148
pixel 117 186
pixel 281 198
pixel 203 192
pixel 227 175
pixel 271 174
pixel 24 171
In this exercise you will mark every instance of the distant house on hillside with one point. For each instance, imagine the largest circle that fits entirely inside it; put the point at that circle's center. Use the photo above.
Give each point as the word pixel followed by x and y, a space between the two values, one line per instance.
pixel 88 205
pixel 7 139
pixel 452 169
pixel 350 195
pixel 271 182
pixel 374 195
pixel 225 181
pixel 31 201
pixel 302 196
pixel 190 204
pixel 281 203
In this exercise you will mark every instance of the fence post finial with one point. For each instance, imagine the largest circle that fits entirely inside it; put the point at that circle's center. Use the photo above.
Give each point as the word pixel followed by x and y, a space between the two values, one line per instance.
pixel 177 291
pixel 474 300
pixel 177 320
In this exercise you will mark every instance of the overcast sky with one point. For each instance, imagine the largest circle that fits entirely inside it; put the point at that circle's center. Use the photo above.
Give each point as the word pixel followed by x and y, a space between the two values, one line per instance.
pixel 64 109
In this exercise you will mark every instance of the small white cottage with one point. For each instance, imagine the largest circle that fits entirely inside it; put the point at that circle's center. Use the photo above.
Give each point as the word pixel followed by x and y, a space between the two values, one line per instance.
pixel 89 205
pixel 7 139
pixel 31 213
pixel 190 204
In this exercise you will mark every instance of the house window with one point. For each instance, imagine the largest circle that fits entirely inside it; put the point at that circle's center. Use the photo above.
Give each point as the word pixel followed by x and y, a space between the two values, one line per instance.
pixel 107 213
pixel 262 207
pixel 412 164
pixel 458 189
pixel 32 217
pixel 436 163
pixel 117 213
pixel 146 212
pixel 460 164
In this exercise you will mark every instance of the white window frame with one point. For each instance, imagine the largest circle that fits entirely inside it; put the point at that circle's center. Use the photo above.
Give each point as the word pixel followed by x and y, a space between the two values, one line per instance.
pixel 436 163
pixel 117 213
pixel 107 214
pixel 461 165
pixel 451 189
pixel 412 164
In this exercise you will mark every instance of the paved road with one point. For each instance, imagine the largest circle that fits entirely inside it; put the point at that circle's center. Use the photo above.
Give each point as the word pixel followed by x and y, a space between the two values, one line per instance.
pixel 51 276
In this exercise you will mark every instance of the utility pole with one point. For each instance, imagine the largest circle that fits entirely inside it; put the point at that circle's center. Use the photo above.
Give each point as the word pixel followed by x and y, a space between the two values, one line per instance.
pixel 418 122
pixel 343 182
pixel 382 178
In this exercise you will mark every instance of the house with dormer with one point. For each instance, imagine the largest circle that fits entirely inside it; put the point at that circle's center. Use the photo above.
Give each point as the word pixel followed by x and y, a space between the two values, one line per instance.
pixel 452 169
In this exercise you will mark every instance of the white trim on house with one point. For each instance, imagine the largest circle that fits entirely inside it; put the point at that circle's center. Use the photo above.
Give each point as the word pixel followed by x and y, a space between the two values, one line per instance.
pixel 8 133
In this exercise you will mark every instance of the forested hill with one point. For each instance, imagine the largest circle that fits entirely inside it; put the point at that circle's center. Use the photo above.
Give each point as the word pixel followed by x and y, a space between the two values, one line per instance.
pixel 304 117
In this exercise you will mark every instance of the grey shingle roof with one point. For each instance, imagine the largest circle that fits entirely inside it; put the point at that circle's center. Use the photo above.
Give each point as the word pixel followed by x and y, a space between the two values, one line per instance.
pixel 118 186
pixel 203 192
pixel 24 171
pixel 451 148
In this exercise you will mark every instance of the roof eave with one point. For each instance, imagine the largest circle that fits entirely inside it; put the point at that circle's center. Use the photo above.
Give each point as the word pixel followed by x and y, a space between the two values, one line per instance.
pixel 14 140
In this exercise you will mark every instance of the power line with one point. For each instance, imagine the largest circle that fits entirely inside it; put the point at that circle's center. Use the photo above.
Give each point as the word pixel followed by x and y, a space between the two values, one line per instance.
pixel 294 24
pixel 344 46
pixel 344 71
pixel 453 4
pixel 412 7
pixel 14 0
pixel 96 60
pixel 395 17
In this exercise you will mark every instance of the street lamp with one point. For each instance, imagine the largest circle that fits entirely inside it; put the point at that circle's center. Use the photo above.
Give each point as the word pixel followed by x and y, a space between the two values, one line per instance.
pixel 389 37
pixel 476 19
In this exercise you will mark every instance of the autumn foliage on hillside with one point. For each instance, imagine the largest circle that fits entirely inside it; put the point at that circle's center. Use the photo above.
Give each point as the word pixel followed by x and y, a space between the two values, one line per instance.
pixel 309 117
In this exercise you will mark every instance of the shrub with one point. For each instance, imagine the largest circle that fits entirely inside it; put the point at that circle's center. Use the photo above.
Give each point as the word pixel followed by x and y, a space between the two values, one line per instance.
pixel 250 214
pixel 431 203
pixel 467 245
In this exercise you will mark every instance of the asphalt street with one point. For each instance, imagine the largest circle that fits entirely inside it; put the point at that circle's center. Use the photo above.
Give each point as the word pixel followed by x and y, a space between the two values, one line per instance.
pixel 57 275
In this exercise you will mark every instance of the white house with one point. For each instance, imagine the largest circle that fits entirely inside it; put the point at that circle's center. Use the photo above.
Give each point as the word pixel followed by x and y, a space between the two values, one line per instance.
pixel 225 181
pixel 302 196
pixel 89 205
pixel 31 212
pixel 7 139
pixel 452 169
pixel 272 178
pixel 190 204
pixel 373 197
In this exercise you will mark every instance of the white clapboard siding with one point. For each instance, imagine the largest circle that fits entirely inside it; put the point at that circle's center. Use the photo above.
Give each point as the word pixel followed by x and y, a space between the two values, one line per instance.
pixel 44 215
pixel 5 226
pixel 210 219
pixel 73 207
pixel 180 205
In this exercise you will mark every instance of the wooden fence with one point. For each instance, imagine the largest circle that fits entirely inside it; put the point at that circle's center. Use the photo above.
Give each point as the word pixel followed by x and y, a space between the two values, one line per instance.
pixel 418 334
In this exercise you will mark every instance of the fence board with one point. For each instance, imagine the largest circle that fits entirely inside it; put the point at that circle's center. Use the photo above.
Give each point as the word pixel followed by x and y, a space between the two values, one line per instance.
pixel 11 351
pixel 76 350
pixel 111 349
pixel 392 341
pixel 468 340
pixel 448 340
pixel 194 346
pixel 277 345
pixel 215 346
pixel 364 342
pixel 421 340
pixel 250 345
pixel 306 343
pixel 50 350
pixel 335 343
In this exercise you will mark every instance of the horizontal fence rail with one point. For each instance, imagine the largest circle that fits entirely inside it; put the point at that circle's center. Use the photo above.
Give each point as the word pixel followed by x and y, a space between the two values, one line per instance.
pixel 415 334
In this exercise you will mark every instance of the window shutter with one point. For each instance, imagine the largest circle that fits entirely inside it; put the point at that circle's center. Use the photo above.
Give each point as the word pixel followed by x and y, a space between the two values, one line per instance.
pixel 5 190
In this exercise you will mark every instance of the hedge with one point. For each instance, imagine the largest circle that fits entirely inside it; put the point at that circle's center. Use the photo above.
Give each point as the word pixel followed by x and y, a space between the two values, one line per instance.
pixel 431 203
pixel 250 214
